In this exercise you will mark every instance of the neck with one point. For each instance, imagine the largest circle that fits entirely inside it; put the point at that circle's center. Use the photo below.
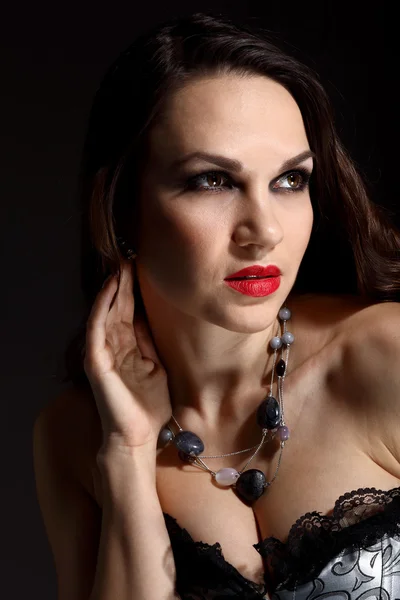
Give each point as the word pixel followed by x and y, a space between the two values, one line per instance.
pixel 218 362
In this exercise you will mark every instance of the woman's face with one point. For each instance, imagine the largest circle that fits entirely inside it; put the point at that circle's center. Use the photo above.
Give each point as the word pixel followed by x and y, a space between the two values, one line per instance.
pixel 201 221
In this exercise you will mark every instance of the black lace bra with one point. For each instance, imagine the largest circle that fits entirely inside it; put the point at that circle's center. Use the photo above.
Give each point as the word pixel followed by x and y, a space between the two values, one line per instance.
pixel 354 554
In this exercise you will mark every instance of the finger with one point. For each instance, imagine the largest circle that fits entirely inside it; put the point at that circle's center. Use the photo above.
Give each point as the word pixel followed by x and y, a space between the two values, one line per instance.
pixel 124 305
pixel 96 323
pixel 144 340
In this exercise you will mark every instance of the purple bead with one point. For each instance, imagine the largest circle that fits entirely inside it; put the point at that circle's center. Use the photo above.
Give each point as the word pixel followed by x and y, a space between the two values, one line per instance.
pixel 227 476
pixel 283 433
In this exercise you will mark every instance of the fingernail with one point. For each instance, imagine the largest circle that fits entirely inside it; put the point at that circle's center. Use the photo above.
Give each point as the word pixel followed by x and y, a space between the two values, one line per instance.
pixel 106 281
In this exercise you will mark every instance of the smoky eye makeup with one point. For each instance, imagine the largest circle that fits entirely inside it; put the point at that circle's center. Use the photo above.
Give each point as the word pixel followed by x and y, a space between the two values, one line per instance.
pixel 295 180
pixel 290 176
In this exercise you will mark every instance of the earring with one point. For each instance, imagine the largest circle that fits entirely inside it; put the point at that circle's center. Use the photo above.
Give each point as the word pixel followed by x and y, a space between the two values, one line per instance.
pixel 127 252
pixel 130 254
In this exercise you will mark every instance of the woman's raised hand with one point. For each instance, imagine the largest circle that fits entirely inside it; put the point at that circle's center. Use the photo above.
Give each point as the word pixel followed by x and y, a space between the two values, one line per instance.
pixel 127 379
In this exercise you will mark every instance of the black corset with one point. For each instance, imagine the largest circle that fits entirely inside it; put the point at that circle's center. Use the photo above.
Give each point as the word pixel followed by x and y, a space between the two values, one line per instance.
pixel 359 520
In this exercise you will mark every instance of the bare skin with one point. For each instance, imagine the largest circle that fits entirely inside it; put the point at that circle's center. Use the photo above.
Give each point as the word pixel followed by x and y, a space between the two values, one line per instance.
pixel 213 341
pixel 328 454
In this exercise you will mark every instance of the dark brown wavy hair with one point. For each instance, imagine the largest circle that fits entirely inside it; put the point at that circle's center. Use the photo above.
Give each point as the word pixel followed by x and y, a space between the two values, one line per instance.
pixel 350 233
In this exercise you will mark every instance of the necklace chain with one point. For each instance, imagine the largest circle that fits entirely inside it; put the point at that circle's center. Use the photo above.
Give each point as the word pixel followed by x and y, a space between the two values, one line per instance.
pixel 231 477
pixel 229 453
pixel 272 436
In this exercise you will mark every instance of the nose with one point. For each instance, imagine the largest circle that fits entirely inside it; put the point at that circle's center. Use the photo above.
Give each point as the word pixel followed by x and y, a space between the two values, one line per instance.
pixel 258 221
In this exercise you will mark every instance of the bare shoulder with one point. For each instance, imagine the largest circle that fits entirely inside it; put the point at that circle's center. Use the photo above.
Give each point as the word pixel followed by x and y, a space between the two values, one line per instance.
pixel 321 320
pixel 75 427
pixel 369 378
pixel 372 352
pixel 370 331
pixel 374 358
pixel 367 332
pixel 328 312
pixel 366 343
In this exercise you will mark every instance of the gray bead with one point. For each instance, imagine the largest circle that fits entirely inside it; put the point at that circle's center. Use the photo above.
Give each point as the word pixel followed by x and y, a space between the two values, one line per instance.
pixel 285 314
pixel 250 485
pixel 275 342
pixel 164 437
pixel 189 443
pixel 288 338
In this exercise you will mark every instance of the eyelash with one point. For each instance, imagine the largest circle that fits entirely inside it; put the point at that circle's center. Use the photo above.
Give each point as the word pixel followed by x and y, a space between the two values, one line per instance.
pixel 192 182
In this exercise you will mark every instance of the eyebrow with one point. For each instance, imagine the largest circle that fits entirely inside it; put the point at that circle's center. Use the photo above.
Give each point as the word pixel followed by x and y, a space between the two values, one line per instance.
pixel 236 166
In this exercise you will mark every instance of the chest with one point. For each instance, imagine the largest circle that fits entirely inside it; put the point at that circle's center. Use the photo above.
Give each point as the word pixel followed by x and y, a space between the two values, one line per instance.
pixel 323 459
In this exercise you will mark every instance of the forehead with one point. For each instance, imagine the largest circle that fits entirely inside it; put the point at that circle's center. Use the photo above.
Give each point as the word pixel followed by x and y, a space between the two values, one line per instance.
pixel 229 114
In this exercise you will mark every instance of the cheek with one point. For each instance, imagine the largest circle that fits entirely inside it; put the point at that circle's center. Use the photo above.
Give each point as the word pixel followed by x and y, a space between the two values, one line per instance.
pixel 300 226
pixel 172 237
pixel 160 229
pixel 201 229
pixel 189 230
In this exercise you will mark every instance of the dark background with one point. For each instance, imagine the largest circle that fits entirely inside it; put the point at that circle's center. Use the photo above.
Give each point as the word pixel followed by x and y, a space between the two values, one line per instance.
pixel 52 59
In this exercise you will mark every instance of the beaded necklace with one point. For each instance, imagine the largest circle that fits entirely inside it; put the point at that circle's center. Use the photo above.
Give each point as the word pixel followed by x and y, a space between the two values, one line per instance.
pixel 248 484
pixel 251 484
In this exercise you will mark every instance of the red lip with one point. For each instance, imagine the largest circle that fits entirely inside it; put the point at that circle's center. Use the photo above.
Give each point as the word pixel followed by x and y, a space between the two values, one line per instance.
pixel 258 271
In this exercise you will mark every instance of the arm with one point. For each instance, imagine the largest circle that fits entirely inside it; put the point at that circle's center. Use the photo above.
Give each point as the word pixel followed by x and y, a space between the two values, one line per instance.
pixel 135 560
pixel 121 553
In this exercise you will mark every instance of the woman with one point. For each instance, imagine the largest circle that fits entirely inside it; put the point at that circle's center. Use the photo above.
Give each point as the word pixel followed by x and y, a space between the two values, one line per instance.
pixel 209 151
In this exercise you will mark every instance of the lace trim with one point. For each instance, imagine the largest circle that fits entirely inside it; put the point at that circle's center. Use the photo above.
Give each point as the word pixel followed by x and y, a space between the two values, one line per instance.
pixel 359 519
pixel 201 567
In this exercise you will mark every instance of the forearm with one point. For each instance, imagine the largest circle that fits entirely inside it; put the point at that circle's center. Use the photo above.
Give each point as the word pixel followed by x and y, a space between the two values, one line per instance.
pixel 135 560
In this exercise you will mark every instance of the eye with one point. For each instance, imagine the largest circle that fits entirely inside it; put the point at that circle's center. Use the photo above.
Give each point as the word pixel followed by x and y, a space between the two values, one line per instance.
pixel 212 181
pixel 217 181
pixel 296 181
